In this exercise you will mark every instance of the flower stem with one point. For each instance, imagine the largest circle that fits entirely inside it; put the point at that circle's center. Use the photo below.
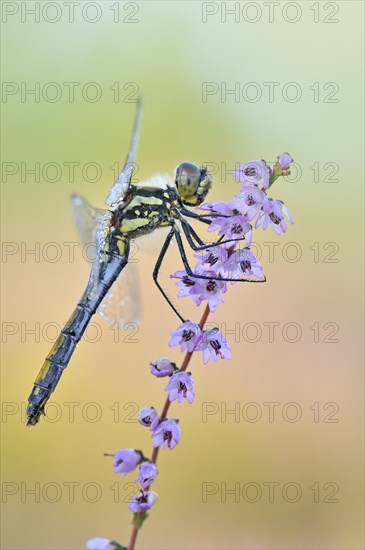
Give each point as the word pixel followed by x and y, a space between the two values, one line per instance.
pixel 165 409
pixel 133 538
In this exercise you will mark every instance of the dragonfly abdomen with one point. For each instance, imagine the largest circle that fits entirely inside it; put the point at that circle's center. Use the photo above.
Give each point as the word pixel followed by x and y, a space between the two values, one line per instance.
pixel 56 361
pixel 63 348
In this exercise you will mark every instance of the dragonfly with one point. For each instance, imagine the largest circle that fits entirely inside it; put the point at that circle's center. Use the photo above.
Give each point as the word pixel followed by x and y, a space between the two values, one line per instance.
pixel 133 211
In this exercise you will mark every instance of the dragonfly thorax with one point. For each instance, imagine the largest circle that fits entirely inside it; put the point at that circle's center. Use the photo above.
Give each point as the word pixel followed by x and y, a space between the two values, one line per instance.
pixel 147 209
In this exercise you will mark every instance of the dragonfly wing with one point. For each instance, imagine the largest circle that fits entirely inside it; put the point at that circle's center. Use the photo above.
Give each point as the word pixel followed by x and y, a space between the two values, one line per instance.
pixel 121 186
pixel 101 231
pixel 84 216
pixel 121 305
pixel 92 224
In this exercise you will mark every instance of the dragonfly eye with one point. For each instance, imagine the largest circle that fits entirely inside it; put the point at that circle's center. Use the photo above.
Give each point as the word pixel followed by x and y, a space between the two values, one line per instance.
pixel 192 183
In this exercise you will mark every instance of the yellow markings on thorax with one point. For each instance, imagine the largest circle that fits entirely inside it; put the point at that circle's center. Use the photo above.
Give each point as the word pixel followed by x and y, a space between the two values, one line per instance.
pixel 151 214
pixel 139 200
pixel 130 225
pixel 151 200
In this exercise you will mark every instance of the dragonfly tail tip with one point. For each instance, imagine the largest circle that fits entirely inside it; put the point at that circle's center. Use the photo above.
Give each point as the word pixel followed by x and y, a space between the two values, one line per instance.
pixel 31 421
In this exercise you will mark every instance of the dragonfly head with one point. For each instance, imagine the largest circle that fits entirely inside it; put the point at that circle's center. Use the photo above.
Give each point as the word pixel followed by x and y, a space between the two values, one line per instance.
pixel 192 183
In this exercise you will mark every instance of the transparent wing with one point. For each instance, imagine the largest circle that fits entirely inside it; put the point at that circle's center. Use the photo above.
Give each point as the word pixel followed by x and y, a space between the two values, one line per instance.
pixel 121 304
pixel 92 225
pixel 120 187
pixel 102 225
pixel 88 221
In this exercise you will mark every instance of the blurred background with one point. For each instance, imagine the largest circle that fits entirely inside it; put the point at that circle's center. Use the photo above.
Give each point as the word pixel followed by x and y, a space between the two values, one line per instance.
pixel 271 450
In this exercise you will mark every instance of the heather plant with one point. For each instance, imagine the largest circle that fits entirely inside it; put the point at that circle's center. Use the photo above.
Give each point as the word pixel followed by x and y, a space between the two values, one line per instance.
pixel 223 262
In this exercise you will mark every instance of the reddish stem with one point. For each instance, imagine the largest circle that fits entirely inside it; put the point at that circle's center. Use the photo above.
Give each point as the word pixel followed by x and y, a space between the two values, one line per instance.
pixel 165 409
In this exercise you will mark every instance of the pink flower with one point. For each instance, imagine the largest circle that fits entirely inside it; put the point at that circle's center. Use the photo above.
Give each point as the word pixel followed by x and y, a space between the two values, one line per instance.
pixel 210 290
pixel 147 474
pixel 217 208
pixel 167 434
pixel 285 160
pixel 181 386
pixel 148 417
pixel 187 336
pixel 143 502
pixel 213 259
pixel 273 214
pixel 214 346
pixel 162 367
pixel 126 461
pixel 186 283
pixel 98 543
pixel 255 172
pixel 249 202
pixel 243 263
pixel 201 289
pixel 234 227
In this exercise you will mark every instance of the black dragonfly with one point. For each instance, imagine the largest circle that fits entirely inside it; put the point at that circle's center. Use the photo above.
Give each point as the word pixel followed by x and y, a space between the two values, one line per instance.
pixel 134 210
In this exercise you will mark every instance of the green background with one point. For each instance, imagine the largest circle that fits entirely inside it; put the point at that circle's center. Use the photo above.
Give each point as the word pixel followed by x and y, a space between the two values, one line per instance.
pixel 167 54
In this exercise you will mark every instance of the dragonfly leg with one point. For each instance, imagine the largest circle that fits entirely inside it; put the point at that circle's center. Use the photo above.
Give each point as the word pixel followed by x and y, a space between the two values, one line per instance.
pixel 200 217
pixel 204 218
pixel 190 272
pixel 157 269
pixel 189 233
